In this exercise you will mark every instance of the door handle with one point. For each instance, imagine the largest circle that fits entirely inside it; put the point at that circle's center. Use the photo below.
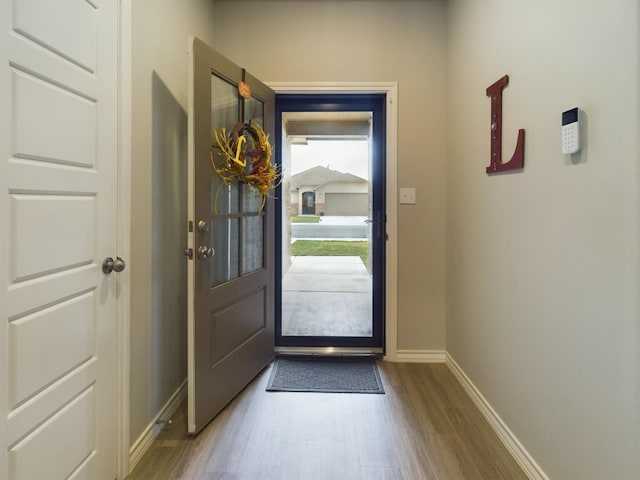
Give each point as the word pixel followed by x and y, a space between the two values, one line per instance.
pixel 368 220
pixel 110 265
pixel 205 252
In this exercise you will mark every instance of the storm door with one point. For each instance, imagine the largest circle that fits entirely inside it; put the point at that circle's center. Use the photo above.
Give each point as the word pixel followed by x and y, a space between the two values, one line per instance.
pixel 331 231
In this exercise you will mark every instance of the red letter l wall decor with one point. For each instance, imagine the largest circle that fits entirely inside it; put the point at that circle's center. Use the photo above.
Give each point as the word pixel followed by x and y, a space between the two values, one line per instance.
pixel 517 160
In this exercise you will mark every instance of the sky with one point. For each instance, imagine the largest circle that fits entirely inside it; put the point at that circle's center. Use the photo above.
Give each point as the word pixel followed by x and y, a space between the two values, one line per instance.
pixel 347 156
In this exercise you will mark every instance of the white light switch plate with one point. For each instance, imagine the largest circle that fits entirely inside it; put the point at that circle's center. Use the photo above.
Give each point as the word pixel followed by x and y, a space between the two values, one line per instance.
pixel 407 196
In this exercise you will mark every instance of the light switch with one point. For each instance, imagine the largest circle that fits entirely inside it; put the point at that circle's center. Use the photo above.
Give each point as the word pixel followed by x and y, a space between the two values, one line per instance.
pixel 407 196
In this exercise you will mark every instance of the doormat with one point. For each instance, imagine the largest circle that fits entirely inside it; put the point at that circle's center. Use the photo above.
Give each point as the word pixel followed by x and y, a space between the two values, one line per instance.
pixel 327 375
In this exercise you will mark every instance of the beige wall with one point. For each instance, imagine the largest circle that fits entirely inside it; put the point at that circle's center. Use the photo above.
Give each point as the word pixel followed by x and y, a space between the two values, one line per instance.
pixel 160 30
pixel 368 41
pixel 543 264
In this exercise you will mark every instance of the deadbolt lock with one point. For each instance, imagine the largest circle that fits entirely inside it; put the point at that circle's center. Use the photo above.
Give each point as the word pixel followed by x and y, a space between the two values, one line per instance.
pixel 203 226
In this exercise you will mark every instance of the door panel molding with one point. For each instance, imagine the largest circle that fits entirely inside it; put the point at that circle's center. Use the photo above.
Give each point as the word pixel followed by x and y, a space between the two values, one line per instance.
pixel 390 89
pixel 239 312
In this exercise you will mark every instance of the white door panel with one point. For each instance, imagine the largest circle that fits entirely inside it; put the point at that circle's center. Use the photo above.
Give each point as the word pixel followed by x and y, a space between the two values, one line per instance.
pixel 34 359
pixel 65 122
pixel 66 442
pixel 53 398
pixel 31 295
pixel 40 62
pixel 66 28
pixel 50 232
pixel 29 175
pixel 58 159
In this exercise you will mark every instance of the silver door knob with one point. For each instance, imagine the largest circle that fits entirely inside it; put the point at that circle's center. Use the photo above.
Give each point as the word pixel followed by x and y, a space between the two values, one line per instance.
pixel 110 265
pixel 205 252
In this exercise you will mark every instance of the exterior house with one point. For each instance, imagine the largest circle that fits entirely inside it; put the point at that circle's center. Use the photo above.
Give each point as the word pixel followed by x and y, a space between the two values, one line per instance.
pixel 528 282
pixel 322 191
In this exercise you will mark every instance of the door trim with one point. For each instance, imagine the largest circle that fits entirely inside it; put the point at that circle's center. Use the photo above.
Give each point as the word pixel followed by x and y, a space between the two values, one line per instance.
pixel 123 238
pixel 391 91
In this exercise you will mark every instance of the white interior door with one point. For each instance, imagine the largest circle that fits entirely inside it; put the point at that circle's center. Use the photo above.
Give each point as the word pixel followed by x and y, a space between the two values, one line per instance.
pixel 231 291
pixel 58 97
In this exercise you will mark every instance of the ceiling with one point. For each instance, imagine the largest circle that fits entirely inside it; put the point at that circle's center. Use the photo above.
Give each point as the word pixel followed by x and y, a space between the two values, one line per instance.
pixel 300 126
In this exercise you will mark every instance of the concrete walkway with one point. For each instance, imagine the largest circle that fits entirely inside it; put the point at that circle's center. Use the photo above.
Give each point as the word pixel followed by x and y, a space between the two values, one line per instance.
pixel 327 296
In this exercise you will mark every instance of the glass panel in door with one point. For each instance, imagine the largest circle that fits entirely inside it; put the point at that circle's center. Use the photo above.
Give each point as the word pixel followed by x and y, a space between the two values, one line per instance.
pixel 327 287
pixel 237 225
pixel 331 290
pixel 225 113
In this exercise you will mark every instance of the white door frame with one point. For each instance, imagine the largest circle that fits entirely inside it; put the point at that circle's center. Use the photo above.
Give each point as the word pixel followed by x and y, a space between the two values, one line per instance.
pixel 123 299
pixel 391 91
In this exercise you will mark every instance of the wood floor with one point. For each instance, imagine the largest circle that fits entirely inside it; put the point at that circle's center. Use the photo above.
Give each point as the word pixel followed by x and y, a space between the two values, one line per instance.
pixel 425 427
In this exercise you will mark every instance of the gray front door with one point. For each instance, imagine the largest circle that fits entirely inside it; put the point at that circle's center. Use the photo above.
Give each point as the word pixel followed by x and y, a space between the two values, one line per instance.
pixel 231 236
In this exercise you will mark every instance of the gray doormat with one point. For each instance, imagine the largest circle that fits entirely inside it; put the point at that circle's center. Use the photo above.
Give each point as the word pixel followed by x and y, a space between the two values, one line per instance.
pixel 330 375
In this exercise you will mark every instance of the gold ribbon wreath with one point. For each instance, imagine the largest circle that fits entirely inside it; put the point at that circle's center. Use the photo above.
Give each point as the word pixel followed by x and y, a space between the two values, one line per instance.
pixel 244 155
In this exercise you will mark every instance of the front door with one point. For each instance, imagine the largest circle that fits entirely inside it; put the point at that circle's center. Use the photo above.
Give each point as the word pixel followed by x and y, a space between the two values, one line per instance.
pixel 308 203
pixel 58 142
pixel 231 236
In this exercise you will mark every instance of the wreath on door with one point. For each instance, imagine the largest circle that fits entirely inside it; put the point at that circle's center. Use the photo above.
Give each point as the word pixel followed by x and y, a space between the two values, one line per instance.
pixel 244 155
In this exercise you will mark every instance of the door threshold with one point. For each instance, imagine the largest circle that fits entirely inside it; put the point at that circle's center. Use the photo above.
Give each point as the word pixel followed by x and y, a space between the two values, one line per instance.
pixel 329 351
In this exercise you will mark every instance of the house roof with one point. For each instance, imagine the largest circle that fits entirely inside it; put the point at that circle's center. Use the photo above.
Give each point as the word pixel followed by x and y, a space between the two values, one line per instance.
pixel 322 175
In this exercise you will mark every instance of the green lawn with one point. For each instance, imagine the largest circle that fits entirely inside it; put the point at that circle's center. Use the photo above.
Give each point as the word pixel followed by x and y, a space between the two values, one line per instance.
pixel 304 219
pixel 331 248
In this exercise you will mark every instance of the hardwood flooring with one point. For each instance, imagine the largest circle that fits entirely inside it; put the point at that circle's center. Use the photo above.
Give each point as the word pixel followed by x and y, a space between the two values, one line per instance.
pixel 424 428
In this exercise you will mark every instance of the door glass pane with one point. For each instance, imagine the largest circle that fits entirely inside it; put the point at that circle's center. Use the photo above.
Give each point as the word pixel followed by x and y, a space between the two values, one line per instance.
pixel 252 243
pixel 252 205
pixel 225 199
pixel 251 200
pixel 225 110
pixel 326 241
pixel 225 113
pixel 254 111
pixel 225 264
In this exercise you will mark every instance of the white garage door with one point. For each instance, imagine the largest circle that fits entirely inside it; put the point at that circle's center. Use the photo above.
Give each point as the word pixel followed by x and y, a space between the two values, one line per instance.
pixel 346 204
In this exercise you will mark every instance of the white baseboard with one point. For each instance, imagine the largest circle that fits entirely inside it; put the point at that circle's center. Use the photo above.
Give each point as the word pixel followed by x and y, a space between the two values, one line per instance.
pixel 519 453
pixel 142 444
pixel 421 356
